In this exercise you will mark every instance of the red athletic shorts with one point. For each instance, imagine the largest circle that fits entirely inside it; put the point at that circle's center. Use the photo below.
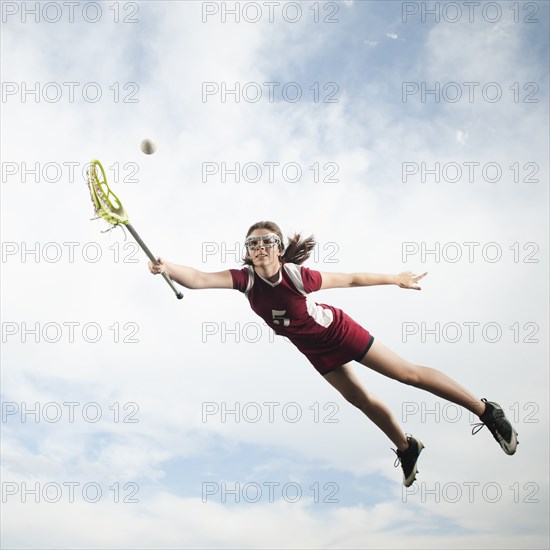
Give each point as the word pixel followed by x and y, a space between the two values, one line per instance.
pixel 345 341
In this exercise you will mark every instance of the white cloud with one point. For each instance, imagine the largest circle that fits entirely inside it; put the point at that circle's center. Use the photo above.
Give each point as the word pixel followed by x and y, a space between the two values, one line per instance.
pixel 364 218
pixel 461 136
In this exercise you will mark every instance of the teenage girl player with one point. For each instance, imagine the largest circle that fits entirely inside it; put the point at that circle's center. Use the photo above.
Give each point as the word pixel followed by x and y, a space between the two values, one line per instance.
pixel 278 290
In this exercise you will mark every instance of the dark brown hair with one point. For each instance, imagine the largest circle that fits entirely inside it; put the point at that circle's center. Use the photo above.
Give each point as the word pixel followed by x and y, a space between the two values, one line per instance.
pixel 297 251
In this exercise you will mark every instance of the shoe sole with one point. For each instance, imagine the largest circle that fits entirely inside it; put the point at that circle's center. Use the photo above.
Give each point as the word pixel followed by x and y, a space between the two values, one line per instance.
pixel 510 448
pixel 410 480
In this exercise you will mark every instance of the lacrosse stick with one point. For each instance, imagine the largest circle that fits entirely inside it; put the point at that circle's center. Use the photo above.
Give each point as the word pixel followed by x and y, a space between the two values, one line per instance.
pixel 108 206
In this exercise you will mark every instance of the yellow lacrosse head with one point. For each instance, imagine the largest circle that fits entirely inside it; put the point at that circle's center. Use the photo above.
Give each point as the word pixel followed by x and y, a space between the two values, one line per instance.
pixel 106 203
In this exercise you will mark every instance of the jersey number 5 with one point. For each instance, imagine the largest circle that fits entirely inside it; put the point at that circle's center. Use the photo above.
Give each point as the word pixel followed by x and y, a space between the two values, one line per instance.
pixel 278 317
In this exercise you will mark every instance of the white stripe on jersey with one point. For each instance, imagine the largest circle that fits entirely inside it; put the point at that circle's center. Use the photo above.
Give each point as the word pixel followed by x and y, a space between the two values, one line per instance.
pixel 250 279
pixel 319 314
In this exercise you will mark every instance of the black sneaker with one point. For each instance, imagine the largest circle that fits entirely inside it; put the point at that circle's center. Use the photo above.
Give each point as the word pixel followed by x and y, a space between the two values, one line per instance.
pixel 494 418
pixel 408 459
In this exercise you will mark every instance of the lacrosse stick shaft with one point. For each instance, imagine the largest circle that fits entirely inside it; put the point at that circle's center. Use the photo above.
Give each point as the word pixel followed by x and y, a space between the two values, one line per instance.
pixel 153 259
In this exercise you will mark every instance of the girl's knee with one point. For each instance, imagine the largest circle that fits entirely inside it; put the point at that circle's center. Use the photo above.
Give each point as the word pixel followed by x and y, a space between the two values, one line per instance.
pixel 358 399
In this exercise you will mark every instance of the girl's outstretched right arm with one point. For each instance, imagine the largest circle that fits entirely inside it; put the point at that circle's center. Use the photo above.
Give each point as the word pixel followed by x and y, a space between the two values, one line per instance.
pixel 190 277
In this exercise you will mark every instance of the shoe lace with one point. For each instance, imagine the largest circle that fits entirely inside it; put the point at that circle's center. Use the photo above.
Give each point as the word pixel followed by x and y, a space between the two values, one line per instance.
pixel 495 425
pixel 405 459
pixel 476 427
pixel 397 459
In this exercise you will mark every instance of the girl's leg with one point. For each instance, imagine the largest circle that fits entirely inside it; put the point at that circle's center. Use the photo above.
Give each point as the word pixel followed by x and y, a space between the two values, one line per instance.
pixel 386 362
pixel 345 381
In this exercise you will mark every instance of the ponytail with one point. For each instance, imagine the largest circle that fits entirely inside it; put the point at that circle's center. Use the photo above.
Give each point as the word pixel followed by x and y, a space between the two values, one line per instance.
pixel 298 249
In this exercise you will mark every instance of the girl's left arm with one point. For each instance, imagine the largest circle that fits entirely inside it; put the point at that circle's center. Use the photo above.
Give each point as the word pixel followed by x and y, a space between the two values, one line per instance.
pixel 407 279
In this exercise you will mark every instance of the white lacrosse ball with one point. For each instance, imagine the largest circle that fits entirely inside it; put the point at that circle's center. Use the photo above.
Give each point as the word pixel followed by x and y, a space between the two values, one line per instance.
pixel 148 147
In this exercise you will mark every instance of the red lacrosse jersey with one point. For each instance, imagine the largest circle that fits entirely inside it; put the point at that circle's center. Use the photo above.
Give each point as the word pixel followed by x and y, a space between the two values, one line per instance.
pixel 324 334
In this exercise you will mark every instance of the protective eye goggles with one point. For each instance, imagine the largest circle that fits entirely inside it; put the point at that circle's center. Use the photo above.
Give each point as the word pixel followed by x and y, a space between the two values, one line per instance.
pixel 266 241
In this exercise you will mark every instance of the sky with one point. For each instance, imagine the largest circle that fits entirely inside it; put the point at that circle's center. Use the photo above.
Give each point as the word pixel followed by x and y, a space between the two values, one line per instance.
pixel 403 136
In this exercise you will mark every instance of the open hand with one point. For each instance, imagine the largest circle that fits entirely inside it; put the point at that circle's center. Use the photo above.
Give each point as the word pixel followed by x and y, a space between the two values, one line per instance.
pixel 408 279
